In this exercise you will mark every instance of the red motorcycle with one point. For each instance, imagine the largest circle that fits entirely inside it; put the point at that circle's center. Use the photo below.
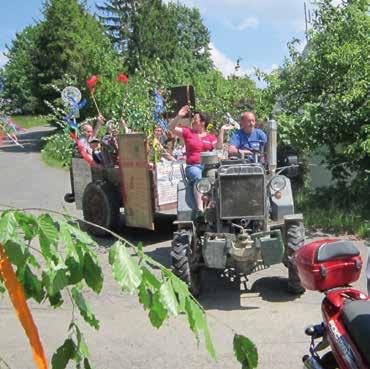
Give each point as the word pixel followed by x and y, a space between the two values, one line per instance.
pixel 329 266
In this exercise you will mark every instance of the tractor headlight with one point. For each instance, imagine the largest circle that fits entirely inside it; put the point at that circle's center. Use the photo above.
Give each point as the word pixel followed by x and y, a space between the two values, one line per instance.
pixel 203 186
pixel 278 183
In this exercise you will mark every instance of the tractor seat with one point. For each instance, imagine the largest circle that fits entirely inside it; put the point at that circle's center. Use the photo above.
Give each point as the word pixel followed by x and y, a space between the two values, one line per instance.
pixel 336 250
pixel 356 318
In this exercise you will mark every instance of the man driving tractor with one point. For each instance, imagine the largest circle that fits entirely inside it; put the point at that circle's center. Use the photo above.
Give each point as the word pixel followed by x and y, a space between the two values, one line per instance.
pixel 243 141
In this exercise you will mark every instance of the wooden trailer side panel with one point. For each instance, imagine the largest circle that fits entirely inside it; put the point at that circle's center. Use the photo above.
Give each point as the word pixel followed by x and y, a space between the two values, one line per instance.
pixel 136 182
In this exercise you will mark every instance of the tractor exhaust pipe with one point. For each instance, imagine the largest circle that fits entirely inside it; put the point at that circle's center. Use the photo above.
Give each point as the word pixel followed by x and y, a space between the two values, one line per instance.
pixel 272 145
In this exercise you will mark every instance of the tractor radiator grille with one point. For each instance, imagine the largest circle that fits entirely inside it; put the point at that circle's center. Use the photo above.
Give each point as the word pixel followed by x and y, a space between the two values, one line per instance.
pixel 242 196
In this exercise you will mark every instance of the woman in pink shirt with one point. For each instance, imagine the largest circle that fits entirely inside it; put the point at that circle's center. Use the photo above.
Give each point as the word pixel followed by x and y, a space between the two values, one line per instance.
pixel 197 140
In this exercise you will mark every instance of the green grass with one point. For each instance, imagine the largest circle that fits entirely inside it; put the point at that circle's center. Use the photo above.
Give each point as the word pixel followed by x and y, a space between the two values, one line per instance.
pixel 326 215
pixel 29 121
pixel 52 162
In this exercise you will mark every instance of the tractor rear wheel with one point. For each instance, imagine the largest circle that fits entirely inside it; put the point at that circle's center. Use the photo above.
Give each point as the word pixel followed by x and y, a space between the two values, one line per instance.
pixel 295 235
pixel 181 264
pixel 101 206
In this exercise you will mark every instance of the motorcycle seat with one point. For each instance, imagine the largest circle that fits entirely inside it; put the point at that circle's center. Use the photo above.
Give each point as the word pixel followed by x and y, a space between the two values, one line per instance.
pixel 336 250
pixel 356 318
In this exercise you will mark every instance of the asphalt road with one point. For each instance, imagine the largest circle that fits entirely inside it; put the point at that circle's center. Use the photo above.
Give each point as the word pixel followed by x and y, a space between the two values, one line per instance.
pixel 265 312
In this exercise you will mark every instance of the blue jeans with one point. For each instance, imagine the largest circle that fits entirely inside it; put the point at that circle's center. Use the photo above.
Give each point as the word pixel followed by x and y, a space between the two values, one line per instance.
pixel 193 173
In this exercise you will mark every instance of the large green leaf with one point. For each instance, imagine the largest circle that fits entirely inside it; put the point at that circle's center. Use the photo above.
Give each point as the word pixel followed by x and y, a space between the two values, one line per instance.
pixel 56 300
pixel 17 252
pixel 28 223
pixel 8 226
pixel 209 343
pixel 87 363
pixel 75 270
pixel 81 343
pixel 245 352
pixel 198 323
pixel 65 238
pixel 195 315
pixel 150 278
pixel 93 273
pixel 55 279
pixel 125 269
pixel 158 312
pixel 33 287
pixel 145 295
pixel 181 289
pixel 46 225
pixel 168 298
pixel 84 308
pixel 63 355
pixel 80 235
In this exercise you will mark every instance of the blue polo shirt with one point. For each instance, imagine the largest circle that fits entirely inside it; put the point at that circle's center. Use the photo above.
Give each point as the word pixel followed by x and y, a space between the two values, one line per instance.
pixel 245 141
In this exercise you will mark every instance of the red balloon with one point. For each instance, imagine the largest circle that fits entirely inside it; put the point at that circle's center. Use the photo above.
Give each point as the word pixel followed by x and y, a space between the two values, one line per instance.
pixel 91 83
pixel 122 78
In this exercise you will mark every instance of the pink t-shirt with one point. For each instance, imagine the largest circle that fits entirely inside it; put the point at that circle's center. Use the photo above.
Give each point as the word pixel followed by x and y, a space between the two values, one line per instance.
pixel 195 145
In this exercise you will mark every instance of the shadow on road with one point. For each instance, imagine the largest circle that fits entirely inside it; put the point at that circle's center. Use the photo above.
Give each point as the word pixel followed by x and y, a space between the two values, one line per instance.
pixel 164 229
pixel 273 289
pixel 30 140
pixel 221 293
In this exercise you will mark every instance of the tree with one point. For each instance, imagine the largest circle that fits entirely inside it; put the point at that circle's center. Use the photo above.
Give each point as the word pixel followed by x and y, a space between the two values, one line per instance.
pixel 117 17
pixel 70 42
pixel 193 38
pixel 323 94
pixel 146 31
pixel 17 73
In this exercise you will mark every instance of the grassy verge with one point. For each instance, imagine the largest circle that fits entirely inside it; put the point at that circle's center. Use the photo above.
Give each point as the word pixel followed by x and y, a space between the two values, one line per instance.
pixel 52 162
pixel 57 150
pixel 29 121
pixel 325 214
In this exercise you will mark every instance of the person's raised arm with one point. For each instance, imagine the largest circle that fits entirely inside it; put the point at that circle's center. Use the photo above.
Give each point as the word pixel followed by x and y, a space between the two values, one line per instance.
pixel 99 121
pixel 177 131
pixel 221 136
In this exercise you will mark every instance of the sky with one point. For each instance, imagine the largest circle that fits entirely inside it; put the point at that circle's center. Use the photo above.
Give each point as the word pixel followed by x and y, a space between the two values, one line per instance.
pixel 254 31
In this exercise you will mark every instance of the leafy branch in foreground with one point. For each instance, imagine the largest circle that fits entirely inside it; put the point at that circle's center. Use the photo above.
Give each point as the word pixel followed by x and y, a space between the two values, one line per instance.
pixel 70 266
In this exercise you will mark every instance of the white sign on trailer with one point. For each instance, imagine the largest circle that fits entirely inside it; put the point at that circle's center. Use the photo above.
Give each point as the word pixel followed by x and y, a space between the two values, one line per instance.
pixel 168 175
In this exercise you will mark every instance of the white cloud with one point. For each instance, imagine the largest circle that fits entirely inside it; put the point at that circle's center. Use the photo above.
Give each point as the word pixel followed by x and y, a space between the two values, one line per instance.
pixel 226 65
pixel 284 12
pixel 3 59
pixel 250 22
pixel 270 69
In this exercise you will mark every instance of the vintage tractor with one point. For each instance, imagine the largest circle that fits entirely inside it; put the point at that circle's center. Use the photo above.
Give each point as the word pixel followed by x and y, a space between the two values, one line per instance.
pixel 248 222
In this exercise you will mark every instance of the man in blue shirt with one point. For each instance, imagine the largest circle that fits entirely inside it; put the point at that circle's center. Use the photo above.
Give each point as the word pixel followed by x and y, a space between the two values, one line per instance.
pixel 247 138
